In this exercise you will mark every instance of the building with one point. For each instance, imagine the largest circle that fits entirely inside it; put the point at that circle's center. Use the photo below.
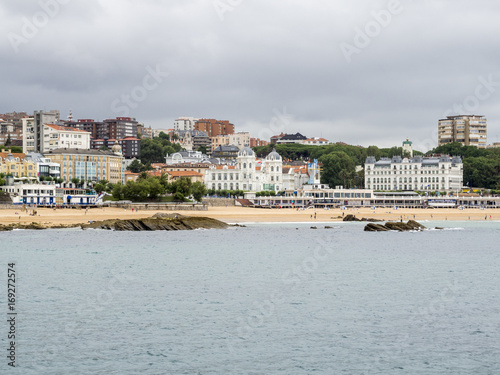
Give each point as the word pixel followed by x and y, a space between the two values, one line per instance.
pixel 89 165
pixel 146 133
pixel 443 173
pixel 55 136
pixel 34 130
pixel 226 152
pixel 185 123
pixel 249 174
pixel 120 127
pixel 256 142
pixel 214 127
pixel 36 194
pixel 192 140
pixel 14 164
pixel 240 139
pixel 95 128
pixel 219 140
pixel 185 157
pixel 289 138
pixel 315 141
pixel 470 130
pixel 131 147
pixel 192 175
pixel 44 167
pixel 407 149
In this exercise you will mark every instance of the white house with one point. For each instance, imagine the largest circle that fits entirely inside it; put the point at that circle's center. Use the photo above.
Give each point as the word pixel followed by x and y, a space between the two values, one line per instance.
pixel 55 136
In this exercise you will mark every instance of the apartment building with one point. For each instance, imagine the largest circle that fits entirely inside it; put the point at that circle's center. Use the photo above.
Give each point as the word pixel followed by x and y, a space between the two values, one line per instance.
pixel 214 127
pixel 470 130
pixel 89 165
pixel 34 130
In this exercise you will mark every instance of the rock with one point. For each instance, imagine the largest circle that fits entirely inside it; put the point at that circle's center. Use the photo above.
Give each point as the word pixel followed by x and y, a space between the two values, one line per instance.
pixel 160 222
pixel 314 227
pixel 328 227
pixel 440 228
pixel 350 217
pixel 394 225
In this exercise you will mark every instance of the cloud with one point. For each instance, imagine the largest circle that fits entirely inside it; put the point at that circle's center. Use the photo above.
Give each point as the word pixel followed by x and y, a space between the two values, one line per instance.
pixel 258 57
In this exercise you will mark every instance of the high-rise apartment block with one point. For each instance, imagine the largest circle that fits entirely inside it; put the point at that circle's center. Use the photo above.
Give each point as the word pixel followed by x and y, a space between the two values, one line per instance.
pixel 470 130
pixel 184 123
pixel 214 127
pixel 33 130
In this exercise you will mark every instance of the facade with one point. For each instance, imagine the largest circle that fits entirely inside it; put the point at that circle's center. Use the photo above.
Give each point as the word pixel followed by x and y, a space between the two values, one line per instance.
pixel 290 138
pixel 315 141
pixel 131 147
pixel 192 175
pixel 55 136
pixel 214 127
pixel 442 173
pixel 44 166
pixel 37 194
pixel 256 142
pixel 11 133
pixel 95 128
pixel 89 165
pixel 248 174
pixel 226 152
pixel 185 157
pixel 118 128
pixel 33 129
pixel 240 139
pixel 14 164
pixel 185 123
pixel 470 130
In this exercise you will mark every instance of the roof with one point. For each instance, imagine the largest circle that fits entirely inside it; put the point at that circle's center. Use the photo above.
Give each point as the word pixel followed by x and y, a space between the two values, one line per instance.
pixel 64 128
pixel 77 151
pixel 184 174
pixel 4 155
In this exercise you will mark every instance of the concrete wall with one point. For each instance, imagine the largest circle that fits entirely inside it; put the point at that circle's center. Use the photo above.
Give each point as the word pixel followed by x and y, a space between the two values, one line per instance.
pixel 161 206
pixel 219 202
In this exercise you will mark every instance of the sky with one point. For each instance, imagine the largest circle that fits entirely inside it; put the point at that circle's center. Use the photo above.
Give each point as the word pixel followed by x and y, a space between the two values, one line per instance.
pixel 361 72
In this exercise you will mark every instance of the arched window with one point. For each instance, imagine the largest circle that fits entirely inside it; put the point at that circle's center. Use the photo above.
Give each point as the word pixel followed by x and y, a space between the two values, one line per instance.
pixel 272 168
pixel 244 165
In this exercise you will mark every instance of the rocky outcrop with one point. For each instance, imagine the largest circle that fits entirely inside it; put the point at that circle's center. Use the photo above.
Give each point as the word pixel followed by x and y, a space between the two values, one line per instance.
pixel 158 222
pixel 351 217
pixel 394 225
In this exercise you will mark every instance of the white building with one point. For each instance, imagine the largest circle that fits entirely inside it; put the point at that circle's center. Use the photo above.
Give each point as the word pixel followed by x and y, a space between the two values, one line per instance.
pixel 249 174
pixel 185 157
pixel 442 173
pixel 38 194
pixel 56 136
pixel 185 123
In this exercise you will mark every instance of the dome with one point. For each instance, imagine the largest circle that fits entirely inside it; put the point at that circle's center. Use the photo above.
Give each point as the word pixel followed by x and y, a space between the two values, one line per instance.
pixel 246 151
pixel 273 155
pixel 117 149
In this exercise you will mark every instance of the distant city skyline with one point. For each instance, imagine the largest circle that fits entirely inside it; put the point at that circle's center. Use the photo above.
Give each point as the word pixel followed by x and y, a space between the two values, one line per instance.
pixel 370 75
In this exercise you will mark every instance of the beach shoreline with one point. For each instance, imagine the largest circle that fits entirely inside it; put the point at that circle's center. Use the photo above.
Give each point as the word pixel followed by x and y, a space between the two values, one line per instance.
pixel 242 215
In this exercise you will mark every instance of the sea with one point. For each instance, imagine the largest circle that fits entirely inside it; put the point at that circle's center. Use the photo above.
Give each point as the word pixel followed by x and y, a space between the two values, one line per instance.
pixel 268 298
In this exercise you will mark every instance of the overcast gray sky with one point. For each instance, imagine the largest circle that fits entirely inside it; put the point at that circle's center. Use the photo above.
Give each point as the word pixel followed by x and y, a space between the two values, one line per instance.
pixel 361 72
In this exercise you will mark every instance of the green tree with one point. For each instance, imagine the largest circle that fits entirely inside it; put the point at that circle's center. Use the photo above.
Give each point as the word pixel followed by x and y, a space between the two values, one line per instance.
pixel 135 166
pixel 117 191
pixel 337 166
pixel 198 190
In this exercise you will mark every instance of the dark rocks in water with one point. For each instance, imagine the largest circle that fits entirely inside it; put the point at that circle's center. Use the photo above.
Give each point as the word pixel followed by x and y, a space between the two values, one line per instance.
pixel 314 227
pixel 158 222
pixel 394 225
pixel 440 228
pixel 328 227
pixel 375 228
pixel 351 217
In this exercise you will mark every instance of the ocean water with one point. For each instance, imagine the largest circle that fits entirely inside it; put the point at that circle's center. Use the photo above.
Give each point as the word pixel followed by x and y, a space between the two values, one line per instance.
pixel 265 299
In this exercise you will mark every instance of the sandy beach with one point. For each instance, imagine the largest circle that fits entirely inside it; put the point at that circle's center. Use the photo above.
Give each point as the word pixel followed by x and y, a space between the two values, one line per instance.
pixel 49 216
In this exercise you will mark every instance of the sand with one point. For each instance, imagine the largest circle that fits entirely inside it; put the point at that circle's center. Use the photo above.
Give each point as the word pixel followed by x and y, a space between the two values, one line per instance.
pixel 245 215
